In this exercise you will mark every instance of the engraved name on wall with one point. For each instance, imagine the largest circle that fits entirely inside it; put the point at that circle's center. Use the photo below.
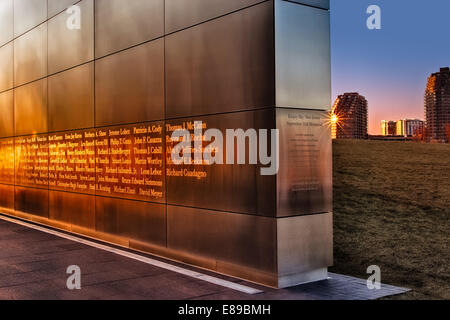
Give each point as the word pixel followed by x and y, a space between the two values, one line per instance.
pixel 124 161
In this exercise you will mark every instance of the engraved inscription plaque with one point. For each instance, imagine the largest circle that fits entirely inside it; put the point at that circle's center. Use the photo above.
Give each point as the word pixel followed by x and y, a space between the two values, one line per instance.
pixel 305 175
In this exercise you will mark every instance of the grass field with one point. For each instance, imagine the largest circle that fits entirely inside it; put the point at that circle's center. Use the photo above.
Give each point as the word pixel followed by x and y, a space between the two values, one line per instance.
pixel 392 209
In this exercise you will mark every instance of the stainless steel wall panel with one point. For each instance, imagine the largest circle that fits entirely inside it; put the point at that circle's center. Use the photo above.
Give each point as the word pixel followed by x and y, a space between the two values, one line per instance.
pixel 6 197
pixel 140 221
pixel 305 175
pixel 31 161
pixel 121 24
pixel 130 162
pixel 57 6
pixel 227 187
pixel 30 108
pixel 185 13
pixel 223 65
pixel 324 4
pixel 6 21
pixel 7 114
pixel 244 240
pixel 66 47
pixel 304 244
pixel 32 201
pixel 130 85
pixel 72 208
pixel 28 14
pixel 7 67
pixel 30 56
pixel 302 50
pixel 72 161
pixel 71 99
pixel 7 161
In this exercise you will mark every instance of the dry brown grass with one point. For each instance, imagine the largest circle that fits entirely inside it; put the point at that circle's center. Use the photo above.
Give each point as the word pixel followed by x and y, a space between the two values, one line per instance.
pixel 392 209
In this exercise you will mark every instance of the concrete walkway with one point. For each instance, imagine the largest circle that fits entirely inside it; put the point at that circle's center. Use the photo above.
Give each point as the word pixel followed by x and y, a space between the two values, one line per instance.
pixel 33 266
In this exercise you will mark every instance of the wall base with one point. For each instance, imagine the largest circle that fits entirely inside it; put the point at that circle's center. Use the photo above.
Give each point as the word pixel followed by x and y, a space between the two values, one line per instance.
pixel 294 235
pixel 302 278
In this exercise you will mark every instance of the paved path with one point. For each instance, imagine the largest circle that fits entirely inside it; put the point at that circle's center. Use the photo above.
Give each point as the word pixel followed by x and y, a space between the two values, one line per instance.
pixel 33 266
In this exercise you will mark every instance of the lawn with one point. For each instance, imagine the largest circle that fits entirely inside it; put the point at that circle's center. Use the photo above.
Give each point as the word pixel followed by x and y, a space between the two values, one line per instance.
pixel 392 209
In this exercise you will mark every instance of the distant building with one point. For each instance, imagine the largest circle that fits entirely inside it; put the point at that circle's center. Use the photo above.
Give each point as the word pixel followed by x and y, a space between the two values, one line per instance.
pixel 401 128
pixel 350 115
pixel 409 127
pixel 388 128
pixel 437 106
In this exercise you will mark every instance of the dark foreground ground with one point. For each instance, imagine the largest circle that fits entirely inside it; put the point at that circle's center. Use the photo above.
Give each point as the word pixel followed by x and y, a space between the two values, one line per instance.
pixel 392 209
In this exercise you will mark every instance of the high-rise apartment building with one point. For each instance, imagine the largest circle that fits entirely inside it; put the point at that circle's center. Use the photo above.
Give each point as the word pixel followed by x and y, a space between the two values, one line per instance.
pixel 437 106
pixel 349 115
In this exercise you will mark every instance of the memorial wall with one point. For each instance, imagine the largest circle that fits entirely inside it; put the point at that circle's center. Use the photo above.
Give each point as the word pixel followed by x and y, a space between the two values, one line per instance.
pixel 87 114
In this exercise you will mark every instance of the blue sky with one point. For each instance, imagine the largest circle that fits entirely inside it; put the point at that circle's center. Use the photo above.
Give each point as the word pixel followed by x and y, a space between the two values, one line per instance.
pixel 389 66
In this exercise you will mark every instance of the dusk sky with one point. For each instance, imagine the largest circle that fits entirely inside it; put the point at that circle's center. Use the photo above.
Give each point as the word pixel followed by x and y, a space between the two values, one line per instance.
pixel 390 66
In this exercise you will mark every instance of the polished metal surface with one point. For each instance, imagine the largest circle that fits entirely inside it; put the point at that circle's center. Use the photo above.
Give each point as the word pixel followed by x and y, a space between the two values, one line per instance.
pixel 223 65
pixel 245 240
pixel 31 161
pixel 28 14
pixel 71 99
pixel 130 85
pixel 121 24
pixel 71 161
pixel 6 67
pixel 135 220
pixel 130 162
pixel 303 244
pixel 324 4
pixel 72 208
pixel 227 187
pixel 305 176
pixel 57 6
pixel 7 114
pixel 68 48
pixel 6 21
pixel 303 63
pixel 181 14
pixel 85 134
pixel 30 56
pixel 6 197
pixel 7 161
pixel 31 201
pixel 30 108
